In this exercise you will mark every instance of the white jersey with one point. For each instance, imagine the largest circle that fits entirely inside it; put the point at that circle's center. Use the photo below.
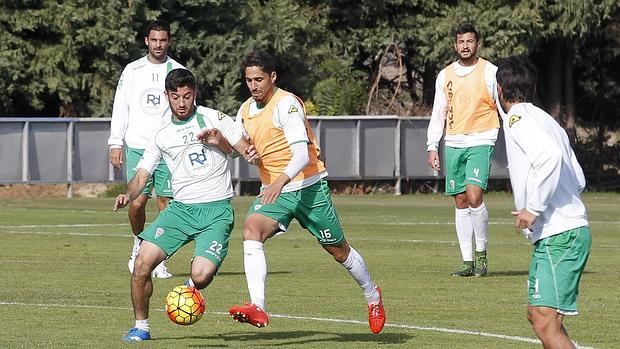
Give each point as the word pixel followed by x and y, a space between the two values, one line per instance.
pixel 436 125
pixel 294 128
pixel 200 172
pixel 140 105
pixel 544 173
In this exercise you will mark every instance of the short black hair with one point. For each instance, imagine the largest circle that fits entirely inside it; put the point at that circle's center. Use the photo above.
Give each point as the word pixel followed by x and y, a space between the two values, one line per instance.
pixel 517 77
pixel 180 78
pixel 261 59
pixel 157 25
pixel 466 28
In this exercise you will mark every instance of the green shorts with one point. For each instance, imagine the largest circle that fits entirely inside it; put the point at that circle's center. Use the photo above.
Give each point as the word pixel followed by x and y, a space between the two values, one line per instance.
pixel 467 166
pixel 555 270
pixel 161 179
pixel 311 206
pixel 209 224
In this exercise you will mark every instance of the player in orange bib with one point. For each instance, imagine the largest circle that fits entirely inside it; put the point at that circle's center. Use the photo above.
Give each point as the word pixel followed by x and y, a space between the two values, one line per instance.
pixel 293 186
pixel 464 109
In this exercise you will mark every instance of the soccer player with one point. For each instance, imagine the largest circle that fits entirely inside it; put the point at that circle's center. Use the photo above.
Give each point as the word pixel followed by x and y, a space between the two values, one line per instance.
pixel 293 186
pixel 464 108
pixel 139 108
pixel 195 146
pixel 547 182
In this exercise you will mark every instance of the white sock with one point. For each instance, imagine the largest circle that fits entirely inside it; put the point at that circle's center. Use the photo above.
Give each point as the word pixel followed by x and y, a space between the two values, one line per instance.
pixel 357 268
pixel 480 222
pixel 255 265
pixel 190 282
pixel 464 231
pixel 136 245
pixel 142 324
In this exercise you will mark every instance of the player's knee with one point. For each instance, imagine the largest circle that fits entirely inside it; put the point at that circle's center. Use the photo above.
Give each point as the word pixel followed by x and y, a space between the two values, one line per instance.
pixel 202 280
pixel 340 253
pixel 141 269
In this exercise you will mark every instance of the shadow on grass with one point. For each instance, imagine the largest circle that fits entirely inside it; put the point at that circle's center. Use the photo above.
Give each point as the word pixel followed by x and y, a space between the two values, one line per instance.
pixel 236 273
pixel 295 338
pixel 520 273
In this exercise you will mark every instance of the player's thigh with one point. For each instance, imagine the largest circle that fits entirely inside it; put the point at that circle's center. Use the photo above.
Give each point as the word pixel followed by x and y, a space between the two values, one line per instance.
pixel 215 222
pixel 170 229
pixel 132 158
pixel 278 211
pixel 556 268
pixel 315 211
pixel 455 164
pixel 162 180
pixel 478 165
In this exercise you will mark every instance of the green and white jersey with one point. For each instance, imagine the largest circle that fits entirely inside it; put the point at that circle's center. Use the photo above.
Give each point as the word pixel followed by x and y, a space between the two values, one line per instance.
pixel 140 105
pixel 200 172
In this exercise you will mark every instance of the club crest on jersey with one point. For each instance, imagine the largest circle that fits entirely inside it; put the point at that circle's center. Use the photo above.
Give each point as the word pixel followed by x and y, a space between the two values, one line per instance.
pixel 292 109
pixel 159 232
pixel 513 119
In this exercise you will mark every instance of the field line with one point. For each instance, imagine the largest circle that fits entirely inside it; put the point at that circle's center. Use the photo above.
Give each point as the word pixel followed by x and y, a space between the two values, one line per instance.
pixel 311 318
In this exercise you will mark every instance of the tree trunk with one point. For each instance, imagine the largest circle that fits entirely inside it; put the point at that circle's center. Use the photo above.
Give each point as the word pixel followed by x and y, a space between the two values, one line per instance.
pixel 553 94
pixel 569 94
pixel 428 87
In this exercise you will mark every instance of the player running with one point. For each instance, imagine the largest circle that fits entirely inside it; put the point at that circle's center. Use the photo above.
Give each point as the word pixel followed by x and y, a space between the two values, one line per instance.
pixel 293 186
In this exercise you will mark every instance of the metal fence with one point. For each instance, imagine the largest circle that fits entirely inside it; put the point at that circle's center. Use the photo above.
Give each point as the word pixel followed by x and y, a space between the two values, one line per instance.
pixel 59 150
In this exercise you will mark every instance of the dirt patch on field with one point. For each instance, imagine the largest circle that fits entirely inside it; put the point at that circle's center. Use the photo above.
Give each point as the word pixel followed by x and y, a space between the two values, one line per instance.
pixel 52 190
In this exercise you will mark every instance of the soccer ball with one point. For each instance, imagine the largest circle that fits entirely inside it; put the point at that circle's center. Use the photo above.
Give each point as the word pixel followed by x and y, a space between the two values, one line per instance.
pixel 185 305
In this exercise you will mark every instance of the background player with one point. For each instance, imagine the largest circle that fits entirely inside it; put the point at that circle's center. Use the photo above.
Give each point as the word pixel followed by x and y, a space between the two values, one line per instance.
pixel 464 107
pixel 139 108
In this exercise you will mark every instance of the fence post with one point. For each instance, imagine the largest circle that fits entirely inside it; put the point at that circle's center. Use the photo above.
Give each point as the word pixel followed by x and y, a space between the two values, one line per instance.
pixel 26 153
pixel 397 157
pixel 70 126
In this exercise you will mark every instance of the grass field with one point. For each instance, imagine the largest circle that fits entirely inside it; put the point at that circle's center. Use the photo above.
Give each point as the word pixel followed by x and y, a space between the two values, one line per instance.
pixel 64 281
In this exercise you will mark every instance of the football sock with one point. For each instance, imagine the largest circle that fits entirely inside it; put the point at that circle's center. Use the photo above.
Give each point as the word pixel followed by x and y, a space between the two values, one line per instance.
pixel 136 244
pixel 142 324
pixel 190 282
pixel 480 222
pixel 464 231
pixel 357 268
pixel 255 265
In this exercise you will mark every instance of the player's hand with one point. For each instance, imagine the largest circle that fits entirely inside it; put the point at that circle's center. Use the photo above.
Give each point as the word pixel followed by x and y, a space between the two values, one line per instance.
pixel 251 155
pixel 525 220
pixel 210 136
pixel 433 160
pixel 270 194
pixel 121 201
pixel 116 157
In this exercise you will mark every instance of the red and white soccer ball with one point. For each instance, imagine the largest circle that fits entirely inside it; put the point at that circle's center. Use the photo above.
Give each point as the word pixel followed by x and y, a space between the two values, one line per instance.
pixel 185 305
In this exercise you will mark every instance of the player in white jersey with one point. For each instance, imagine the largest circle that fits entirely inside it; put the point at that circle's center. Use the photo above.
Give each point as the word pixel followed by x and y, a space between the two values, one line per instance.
pixel 547 181
pixel 465 110
pixel 194 145
pixel 139 109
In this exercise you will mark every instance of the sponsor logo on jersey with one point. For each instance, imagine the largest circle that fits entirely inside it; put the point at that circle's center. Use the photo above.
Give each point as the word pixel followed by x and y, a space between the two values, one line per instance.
pixel 513 119
pixel 198 160
pixel 153 101
pixel 159 232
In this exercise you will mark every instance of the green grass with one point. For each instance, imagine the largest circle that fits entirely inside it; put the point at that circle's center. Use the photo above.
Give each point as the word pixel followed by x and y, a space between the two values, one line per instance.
pixel 64 281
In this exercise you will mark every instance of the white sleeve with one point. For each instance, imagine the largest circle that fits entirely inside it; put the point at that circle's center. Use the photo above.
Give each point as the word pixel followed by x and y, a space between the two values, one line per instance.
pixel 490 80
pixel 581 178
pixel 151 157
pixel 299 160
pixel 239 122
pixel 230 130
pixel 438 117
pixel 545 158
pixel 289 116
pixel 120 112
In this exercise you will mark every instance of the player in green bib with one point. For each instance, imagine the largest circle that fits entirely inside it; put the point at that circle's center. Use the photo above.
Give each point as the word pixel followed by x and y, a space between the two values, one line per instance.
pixel 194 145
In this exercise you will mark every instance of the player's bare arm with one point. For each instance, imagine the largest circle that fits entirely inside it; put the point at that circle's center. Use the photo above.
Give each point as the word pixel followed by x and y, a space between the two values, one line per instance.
pixel 134 188
pixel 214 137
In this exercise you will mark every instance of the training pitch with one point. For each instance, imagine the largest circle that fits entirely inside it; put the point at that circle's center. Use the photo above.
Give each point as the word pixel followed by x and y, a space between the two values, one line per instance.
pixel 64 280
